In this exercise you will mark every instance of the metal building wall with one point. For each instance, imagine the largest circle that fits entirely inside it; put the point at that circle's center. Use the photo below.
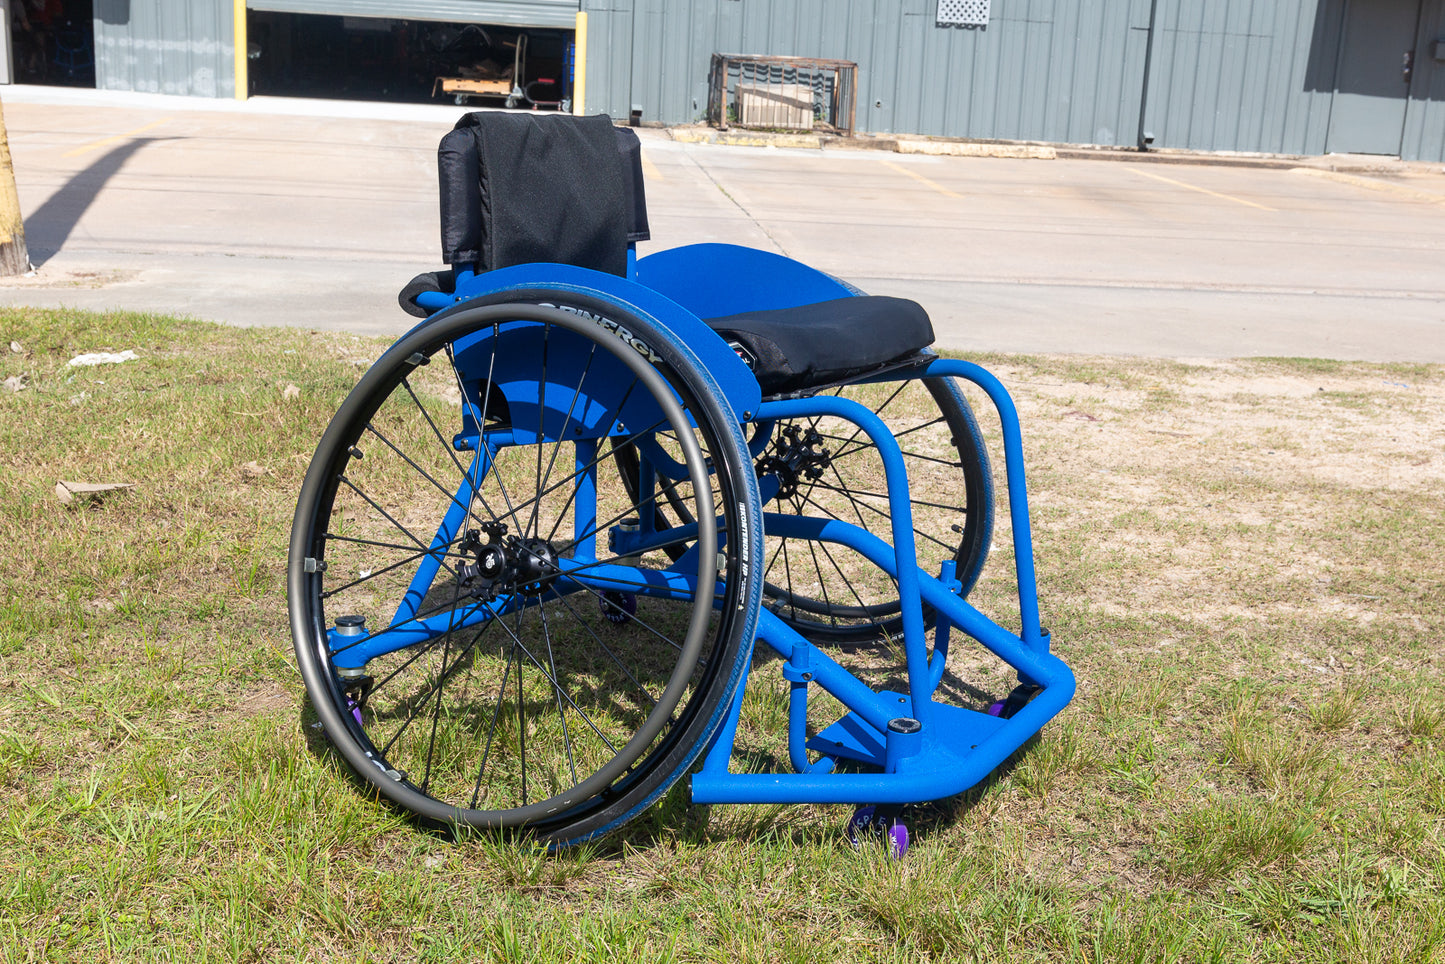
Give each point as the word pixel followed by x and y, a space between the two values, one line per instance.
pixel 165 46
pixel 1225 75
pixel 1058 70
pixel 1243 75
pixel 1425 114
pixel 1260 76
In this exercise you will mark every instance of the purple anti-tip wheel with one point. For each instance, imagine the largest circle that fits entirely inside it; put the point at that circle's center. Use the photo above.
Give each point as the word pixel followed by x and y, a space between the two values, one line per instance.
pixel 866 824
pixel 618 607
pixel 898 837
pixel 859 823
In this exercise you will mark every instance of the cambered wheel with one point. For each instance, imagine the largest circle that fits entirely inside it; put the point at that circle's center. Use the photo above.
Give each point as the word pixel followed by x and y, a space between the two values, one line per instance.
pixel 450 584
pixel 826 467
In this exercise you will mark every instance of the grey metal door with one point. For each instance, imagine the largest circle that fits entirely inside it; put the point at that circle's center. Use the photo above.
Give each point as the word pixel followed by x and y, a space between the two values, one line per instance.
pixel 1372 77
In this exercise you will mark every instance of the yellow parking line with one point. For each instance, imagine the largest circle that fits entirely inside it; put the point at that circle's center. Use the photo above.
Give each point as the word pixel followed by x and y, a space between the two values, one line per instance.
pixel 649 169
pixel 919 177
pixel 1201 190
pixel 97 145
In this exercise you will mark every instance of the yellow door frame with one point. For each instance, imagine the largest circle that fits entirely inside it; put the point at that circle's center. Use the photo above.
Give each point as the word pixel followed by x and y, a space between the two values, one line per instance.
pixel 243 77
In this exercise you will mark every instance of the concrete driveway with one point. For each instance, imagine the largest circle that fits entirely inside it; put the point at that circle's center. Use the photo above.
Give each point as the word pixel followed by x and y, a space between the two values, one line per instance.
pixel 294 213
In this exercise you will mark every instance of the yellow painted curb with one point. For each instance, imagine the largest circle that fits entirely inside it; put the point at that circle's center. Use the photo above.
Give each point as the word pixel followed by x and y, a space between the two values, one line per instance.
pixel 956 149
pixel 808 141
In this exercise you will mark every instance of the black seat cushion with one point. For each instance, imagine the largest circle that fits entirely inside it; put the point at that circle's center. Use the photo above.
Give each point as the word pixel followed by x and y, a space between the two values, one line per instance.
pixel 794 349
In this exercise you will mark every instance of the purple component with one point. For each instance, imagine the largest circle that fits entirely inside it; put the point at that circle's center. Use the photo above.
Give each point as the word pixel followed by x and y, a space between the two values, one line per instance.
pixel 859 823
pixel 618 607
pixel 355 709
pixel 898 836
pixel 996 709
pixel 865 822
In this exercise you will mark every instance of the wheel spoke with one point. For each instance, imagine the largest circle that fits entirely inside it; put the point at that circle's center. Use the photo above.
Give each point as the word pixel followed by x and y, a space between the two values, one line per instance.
pixel 437 703
pixel 561 715
pixel 651 700
pixel 557 446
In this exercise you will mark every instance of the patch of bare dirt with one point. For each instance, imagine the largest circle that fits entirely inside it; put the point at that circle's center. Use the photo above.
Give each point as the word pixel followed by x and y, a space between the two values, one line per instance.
pixel 46 277
pixel 263 698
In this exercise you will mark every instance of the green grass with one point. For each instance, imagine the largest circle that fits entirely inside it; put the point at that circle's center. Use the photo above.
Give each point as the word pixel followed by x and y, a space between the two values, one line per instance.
pixel 1241 560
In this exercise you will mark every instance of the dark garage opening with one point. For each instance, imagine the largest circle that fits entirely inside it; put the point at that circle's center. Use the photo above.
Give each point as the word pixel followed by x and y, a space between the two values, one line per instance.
pixel 53 42
pixel 408 61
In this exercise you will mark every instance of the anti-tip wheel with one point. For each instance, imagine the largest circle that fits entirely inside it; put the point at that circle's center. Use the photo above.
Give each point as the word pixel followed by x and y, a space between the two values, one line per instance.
pixel 1006 708
pixel 867 823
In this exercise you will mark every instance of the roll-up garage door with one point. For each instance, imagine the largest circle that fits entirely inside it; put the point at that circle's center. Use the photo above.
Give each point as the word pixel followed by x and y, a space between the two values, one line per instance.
pixel 518 13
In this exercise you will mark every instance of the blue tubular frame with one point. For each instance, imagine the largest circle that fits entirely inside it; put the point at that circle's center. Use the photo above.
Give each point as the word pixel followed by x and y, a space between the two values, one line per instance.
pixel 955 747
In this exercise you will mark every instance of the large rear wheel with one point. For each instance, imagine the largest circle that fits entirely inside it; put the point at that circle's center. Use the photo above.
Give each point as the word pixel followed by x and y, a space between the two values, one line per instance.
pixel 475 642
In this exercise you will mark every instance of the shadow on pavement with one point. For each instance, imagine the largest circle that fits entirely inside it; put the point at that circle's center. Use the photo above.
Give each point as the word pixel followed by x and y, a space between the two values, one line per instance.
pixel 49 226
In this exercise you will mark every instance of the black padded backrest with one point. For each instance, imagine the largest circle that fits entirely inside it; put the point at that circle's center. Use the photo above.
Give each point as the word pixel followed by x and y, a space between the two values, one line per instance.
pixel 524 188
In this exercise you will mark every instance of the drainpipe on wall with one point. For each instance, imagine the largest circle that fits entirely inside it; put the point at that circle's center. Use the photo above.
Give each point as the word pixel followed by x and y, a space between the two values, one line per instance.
pixel 1146 139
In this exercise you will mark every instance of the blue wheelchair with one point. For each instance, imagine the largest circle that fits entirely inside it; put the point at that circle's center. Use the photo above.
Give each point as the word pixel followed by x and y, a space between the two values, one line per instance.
pixel 541 540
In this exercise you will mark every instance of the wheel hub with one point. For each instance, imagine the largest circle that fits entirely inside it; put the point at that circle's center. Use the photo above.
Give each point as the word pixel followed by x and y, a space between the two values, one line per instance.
pixel 534 565
pixel 496 563
pixel 797 454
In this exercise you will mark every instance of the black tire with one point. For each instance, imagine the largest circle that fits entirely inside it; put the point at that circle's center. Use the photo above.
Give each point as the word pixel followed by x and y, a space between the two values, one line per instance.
pixel 518 705
pixel 830 594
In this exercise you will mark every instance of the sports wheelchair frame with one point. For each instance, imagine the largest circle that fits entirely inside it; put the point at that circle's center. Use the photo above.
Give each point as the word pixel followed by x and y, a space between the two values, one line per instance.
pixel 541 538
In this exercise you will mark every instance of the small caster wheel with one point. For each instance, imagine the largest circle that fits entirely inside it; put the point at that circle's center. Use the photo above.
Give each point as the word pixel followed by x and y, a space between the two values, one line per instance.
pixel 618 607
pixel 1015 701
pixel 357 689
pixel 868 823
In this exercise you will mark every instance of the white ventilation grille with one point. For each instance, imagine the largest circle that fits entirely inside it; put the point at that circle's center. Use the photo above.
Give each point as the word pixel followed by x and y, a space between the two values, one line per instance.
pixel 973 13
